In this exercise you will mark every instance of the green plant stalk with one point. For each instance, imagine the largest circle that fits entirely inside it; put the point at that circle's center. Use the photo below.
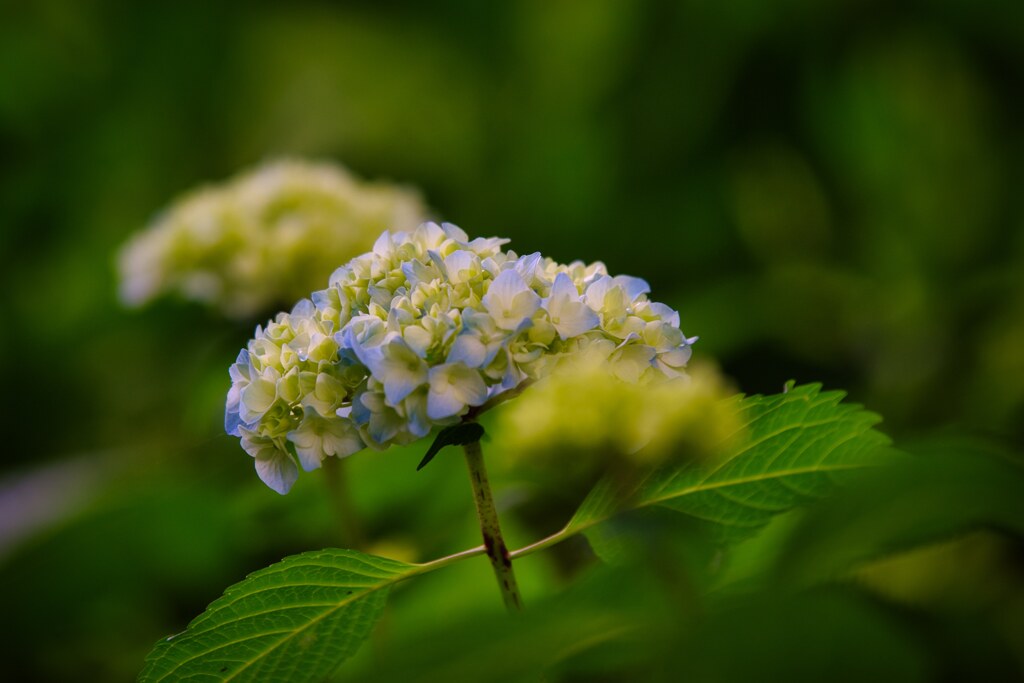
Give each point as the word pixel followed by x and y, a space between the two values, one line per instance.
pixel 348 531
pixel 494 543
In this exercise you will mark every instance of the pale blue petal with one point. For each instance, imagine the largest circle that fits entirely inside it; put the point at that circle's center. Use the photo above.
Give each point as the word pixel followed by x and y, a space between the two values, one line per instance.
pixel 454 232
pixel 304 309
pixel 665 313
pixel 277 471
pixel 468 349
pixel 416 272
pixel 311 457
pixel 632 286
pixel 398 385
pixel 597 291
pixel 563 286
pixel 232 420
pixel 359 411
pixel 526 266
pixel 383 246
pixel 442 404
pixel 322 298
pixel 521 327
pixel 340 274
pixel 438 262
pixel 470 388
pixel 368 356
pixel 419 422
pixel 492 351
pixel 381 296
pixel 677 358
pixel 382 428
pixel 525 305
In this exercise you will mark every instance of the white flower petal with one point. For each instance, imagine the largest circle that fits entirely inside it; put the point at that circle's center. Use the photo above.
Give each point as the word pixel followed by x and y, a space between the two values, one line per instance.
pixel 442 404
pixel 468 349
pixel 632 286
pixel 342 439
pixel 278 472
pixel 503 290
pixel 574 319
pixel 596 292
pixel 563 288
pixel 454 232
pixel 453 386
pixel 461 266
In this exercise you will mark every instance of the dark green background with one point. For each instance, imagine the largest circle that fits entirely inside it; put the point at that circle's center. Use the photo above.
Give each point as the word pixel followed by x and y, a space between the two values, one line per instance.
pixel 826 191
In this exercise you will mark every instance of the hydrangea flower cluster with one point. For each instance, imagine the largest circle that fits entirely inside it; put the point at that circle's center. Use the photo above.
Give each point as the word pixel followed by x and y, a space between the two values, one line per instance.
pixel 421 330
pixel 266 237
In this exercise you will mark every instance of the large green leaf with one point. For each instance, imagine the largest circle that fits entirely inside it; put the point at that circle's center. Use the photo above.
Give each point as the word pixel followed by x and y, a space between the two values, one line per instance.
pixel 793 448
pixel 295 620
pixel 933 496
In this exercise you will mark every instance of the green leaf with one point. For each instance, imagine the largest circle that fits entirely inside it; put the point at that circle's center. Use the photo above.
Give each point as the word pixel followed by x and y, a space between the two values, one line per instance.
pixel 456 435
pixel 923 499
pixel 295 620
pixel 795 447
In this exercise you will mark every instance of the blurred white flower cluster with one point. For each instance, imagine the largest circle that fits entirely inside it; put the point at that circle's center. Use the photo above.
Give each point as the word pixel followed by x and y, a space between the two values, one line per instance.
pixel 417 332
pixel 263 238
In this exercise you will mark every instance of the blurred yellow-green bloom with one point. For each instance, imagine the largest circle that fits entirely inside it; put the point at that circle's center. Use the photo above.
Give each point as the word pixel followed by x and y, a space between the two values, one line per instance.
pixel 596 408
pixel 267 236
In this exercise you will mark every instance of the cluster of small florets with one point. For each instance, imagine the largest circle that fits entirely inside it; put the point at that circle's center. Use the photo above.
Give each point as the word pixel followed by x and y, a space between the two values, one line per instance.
pixel 264 238
pixel 423 329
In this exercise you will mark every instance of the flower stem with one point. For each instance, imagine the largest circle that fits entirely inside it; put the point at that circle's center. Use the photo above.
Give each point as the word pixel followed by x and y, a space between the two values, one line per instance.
pixel 346 516
pixel 494 543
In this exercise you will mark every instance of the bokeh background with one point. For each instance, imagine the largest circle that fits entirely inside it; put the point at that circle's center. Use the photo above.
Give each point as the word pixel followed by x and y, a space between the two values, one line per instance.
pixel 826 191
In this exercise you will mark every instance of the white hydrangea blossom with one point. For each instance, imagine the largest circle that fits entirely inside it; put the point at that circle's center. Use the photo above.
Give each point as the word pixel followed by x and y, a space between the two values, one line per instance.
pixel 265 237
pixel 427 326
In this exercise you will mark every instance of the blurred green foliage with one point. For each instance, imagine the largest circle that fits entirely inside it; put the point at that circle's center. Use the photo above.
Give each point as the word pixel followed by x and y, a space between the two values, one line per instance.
pixel 827 192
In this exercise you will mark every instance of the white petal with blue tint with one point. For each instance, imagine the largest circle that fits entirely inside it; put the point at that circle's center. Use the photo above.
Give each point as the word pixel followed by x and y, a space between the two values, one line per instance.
pixel 462 266
pixel 632 286
pixel 274 466
pixel 398 368
pixel 510 301
pixel 318 437
pixel 570 316
pixel 469 350
pixel 454 232
pixel 453 387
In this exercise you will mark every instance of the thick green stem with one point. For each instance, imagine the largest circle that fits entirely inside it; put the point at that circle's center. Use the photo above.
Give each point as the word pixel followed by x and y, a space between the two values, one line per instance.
pixel 494 543
pixel 346 516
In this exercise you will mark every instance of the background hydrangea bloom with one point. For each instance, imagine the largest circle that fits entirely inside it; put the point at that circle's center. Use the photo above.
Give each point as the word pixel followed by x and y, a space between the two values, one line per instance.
pixel 263 238
pixel 592 408
pixel 422 329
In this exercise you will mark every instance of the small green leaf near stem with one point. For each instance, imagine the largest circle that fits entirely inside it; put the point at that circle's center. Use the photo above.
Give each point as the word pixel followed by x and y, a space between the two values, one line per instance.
pixel 456 435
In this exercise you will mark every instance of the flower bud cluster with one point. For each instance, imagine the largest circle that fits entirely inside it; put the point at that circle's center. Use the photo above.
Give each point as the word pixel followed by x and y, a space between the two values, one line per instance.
pixel 266 237
pixel 426 327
